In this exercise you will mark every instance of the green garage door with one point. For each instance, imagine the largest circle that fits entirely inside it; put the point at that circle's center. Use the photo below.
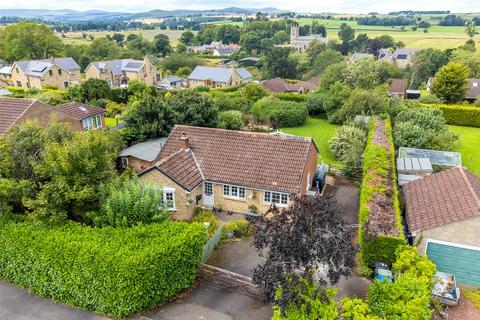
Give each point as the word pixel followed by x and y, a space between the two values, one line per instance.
pixel 462 261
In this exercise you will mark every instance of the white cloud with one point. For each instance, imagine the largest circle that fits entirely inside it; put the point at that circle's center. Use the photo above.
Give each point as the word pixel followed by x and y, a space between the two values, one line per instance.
pixel 347 6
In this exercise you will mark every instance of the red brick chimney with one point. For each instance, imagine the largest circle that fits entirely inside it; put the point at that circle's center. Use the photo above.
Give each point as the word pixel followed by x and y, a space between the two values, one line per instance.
pixel 184 141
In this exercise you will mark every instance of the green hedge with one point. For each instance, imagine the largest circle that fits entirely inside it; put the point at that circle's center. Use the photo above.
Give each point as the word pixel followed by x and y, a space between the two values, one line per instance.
pixel 112 271
pixel 295 97
pixel 379 179
pixel 458 115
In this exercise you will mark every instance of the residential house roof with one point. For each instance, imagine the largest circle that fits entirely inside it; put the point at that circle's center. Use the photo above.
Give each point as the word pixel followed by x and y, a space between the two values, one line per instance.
pixel 442 198
pixel 280 85
pixel 217 74
pixel 397 86
pixel 37 68
pixel 226 51
pixel 171 79
pixel 11 109
pixel 6 70
pixel 4 92
pixel 79 110
pixel 384 53
pixel 147 151
pixel 120 66
pixel 404 53
pixel 255 160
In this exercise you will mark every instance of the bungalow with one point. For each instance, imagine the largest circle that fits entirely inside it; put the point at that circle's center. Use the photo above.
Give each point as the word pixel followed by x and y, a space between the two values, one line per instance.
pixel 278 85
pixel 473 88
pixel 118 73
pixel 15 111
pixel 172 82
pixel 142 155
pixel 60 72
pixel 218 77
pixel 443 216
pixel 235 170
pixel 397 88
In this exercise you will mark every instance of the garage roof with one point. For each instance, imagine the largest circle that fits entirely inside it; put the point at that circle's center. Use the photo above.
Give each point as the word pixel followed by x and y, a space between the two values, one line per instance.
pixel 442 198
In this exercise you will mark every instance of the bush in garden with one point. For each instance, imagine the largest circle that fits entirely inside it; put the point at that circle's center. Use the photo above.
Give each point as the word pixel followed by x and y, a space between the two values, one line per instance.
pixel 113 109
pixel 240 228
pixel 50 86
pixel 458 115
pixel 365 103
pixel 253 91
pixel 347 145
pixel 203 215
pixel 112 271
pixel 51 98
pixel 225 102
pixel 127 202
pixel 315 104
pixel 231 120
pixel 280 113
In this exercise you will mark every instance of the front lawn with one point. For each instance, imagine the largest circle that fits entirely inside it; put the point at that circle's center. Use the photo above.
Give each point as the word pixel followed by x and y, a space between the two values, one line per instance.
pixel 111 122
pixel 469 146
pixel 320 130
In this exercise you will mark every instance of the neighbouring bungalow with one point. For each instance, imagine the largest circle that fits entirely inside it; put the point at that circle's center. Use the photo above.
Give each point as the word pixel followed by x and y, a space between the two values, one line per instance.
pixel 443 216
pixel 215 77
pixel 473 88
pixel 357 56
pixel 278 85
pixel 142 155
pixel 59 72
pixel 236 171
pixel 118 73
pixel 402 57
pixel 14 111
pixel 172 82
pixel 397 88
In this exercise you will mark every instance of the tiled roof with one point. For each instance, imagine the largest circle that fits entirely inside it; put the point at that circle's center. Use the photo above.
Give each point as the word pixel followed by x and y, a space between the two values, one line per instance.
pixel 442 198
pixel 280 85
pixel 79 110
pixel 397 86
pixel 276 85
pixel 255 160
pixel 183 168
pixel 37 68
pixel 118 67
pixel 11 109
pixel 217 74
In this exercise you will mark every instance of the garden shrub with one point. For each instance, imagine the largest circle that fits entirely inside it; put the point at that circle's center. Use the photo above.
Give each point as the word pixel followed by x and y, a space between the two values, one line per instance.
pixel 280 113
pixel 112 271
pixel 52 98
pixel 380 221
pixel 295 97
pixel 240 228
pixel 459 115
pixel 347 145
pixel 204 215
pixel 50 86
pixel 16 90
pixel 231 120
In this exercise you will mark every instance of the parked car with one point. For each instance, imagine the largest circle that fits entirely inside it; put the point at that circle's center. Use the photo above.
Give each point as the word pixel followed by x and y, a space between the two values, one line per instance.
pixel 382 272
pixel 445 289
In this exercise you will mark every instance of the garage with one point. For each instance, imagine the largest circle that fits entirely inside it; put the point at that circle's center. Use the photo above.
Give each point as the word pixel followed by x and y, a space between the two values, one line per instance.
pixel 460 260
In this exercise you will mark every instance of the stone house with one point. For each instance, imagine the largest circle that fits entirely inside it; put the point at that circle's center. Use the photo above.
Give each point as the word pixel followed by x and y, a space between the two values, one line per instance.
pixel 118 73
pixel 402 57
pixel 233 170
pixel 142 155
pixel 60 72
pixel 215 77
pixel 14 111
pixel 442 212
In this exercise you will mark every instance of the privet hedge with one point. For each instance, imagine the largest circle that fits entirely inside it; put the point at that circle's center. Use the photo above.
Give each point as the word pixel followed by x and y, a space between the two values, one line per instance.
pixel 380 220
pixel 459 115
pixel 112 271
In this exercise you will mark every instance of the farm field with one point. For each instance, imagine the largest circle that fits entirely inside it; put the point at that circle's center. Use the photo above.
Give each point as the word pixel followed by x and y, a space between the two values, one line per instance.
pixel 437 37
pixel 321 131
pixel 76 37
pixel 469 146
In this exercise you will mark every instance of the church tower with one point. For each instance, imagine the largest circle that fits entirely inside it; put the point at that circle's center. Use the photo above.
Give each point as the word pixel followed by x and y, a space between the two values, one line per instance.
pixel 294 32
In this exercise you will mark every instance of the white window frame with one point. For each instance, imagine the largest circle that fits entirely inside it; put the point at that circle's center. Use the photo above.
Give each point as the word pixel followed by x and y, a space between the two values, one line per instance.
pixel 282 198
pixel 171 191
pixel 233 192
pixel 88 123
pixel 124 162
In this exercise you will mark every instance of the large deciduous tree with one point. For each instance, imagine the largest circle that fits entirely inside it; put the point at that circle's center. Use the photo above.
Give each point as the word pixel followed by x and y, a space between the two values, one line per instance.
pixel 279 64
pixel 161 43
pixel 298 240
pixel 193 108
pixel 450 83
pixel 29 40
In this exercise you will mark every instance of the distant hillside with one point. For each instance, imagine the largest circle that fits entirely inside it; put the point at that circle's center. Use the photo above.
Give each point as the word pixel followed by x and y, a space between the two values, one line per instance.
pixel 91 15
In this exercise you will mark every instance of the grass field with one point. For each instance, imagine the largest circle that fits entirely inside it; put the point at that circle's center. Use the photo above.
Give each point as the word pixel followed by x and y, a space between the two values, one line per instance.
pixel 469 147
pixel 437 37
pixel 76 37
pixel 320 130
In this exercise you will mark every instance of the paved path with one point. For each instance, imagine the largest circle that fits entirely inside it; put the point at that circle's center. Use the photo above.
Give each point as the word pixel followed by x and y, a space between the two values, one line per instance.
pixel 17 304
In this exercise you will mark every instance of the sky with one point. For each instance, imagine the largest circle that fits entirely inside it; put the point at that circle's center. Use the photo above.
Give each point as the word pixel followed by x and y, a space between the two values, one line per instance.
pixel 318 6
